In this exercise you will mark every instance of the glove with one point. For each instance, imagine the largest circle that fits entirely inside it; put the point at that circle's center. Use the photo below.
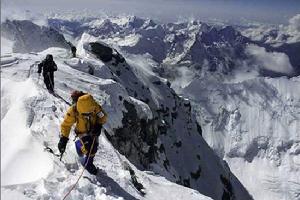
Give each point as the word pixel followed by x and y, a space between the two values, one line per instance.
pixel 62 144
pixel 97 130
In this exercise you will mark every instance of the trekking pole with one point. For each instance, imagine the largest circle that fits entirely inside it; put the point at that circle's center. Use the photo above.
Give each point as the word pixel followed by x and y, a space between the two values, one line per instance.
pixel 61 155
pixel 52 86
pixel 51 151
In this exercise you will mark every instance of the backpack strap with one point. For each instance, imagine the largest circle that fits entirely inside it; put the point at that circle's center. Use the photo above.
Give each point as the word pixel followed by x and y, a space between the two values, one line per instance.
pixel 76 118
pixel 75 111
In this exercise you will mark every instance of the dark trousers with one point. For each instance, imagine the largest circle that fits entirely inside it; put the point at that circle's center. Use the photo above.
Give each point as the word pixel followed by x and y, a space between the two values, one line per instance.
pixel 49 80
pixel 83 148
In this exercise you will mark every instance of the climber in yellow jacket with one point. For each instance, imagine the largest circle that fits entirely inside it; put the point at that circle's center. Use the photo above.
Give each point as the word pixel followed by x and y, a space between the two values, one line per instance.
pixel 89 117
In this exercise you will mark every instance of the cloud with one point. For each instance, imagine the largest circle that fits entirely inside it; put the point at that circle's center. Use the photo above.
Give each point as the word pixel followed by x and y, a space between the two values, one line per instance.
pixel 10 13
pixel 294 28
pixel 270 61
pixel 183 77
pixel 275 35
pixel 294 23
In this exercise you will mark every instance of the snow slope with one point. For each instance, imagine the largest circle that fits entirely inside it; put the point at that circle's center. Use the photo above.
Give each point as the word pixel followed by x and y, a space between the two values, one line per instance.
pixel 19 145
pixel 30 120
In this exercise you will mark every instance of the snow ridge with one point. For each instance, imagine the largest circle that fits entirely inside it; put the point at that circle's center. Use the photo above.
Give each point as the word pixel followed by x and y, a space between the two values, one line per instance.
pixel 165 121
pixel 38 126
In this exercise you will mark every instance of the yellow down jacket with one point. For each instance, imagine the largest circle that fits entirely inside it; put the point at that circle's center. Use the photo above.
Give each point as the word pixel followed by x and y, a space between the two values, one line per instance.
pixel 85 113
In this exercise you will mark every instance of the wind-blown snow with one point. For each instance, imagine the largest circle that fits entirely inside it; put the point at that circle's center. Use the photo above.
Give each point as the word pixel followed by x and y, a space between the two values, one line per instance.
pixel 294 27
pixel 184 77
pixel 18 146
pixel 294 23
pixel 6 46
pixel 21 14
pixel 271 61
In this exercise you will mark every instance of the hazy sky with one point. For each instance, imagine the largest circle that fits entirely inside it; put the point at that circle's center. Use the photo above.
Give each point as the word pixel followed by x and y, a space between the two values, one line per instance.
pixel 274 11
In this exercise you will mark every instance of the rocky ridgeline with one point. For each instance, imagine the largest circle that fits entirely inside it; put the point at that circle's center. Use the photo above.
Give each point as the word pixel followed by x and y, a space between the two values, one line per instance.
pixel 168 139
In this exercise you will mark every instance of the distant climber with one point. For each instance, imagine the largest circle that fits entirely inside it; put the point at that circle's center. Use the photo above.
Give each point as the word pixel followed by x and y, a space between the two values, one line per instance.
pixel 73 49
pixel 89 117
pixel 48 67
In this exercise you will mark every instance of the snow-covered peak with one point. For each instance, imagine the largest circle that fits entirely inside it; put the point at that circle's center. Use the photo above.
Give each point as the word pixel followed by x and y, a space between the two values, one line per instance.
pixel 253 125
pixel 29 37
pixel 221 49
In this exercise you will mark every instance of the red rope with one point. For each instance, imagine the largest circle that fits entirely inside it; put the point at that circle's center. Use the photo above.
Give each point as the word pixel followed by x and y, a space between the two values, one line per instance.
pixel 72 188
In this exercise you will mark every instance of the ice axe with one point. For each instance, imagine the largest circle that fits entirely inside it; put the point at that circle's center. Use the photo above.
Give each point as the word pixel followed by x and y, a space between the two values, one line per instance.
pixel 52 152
